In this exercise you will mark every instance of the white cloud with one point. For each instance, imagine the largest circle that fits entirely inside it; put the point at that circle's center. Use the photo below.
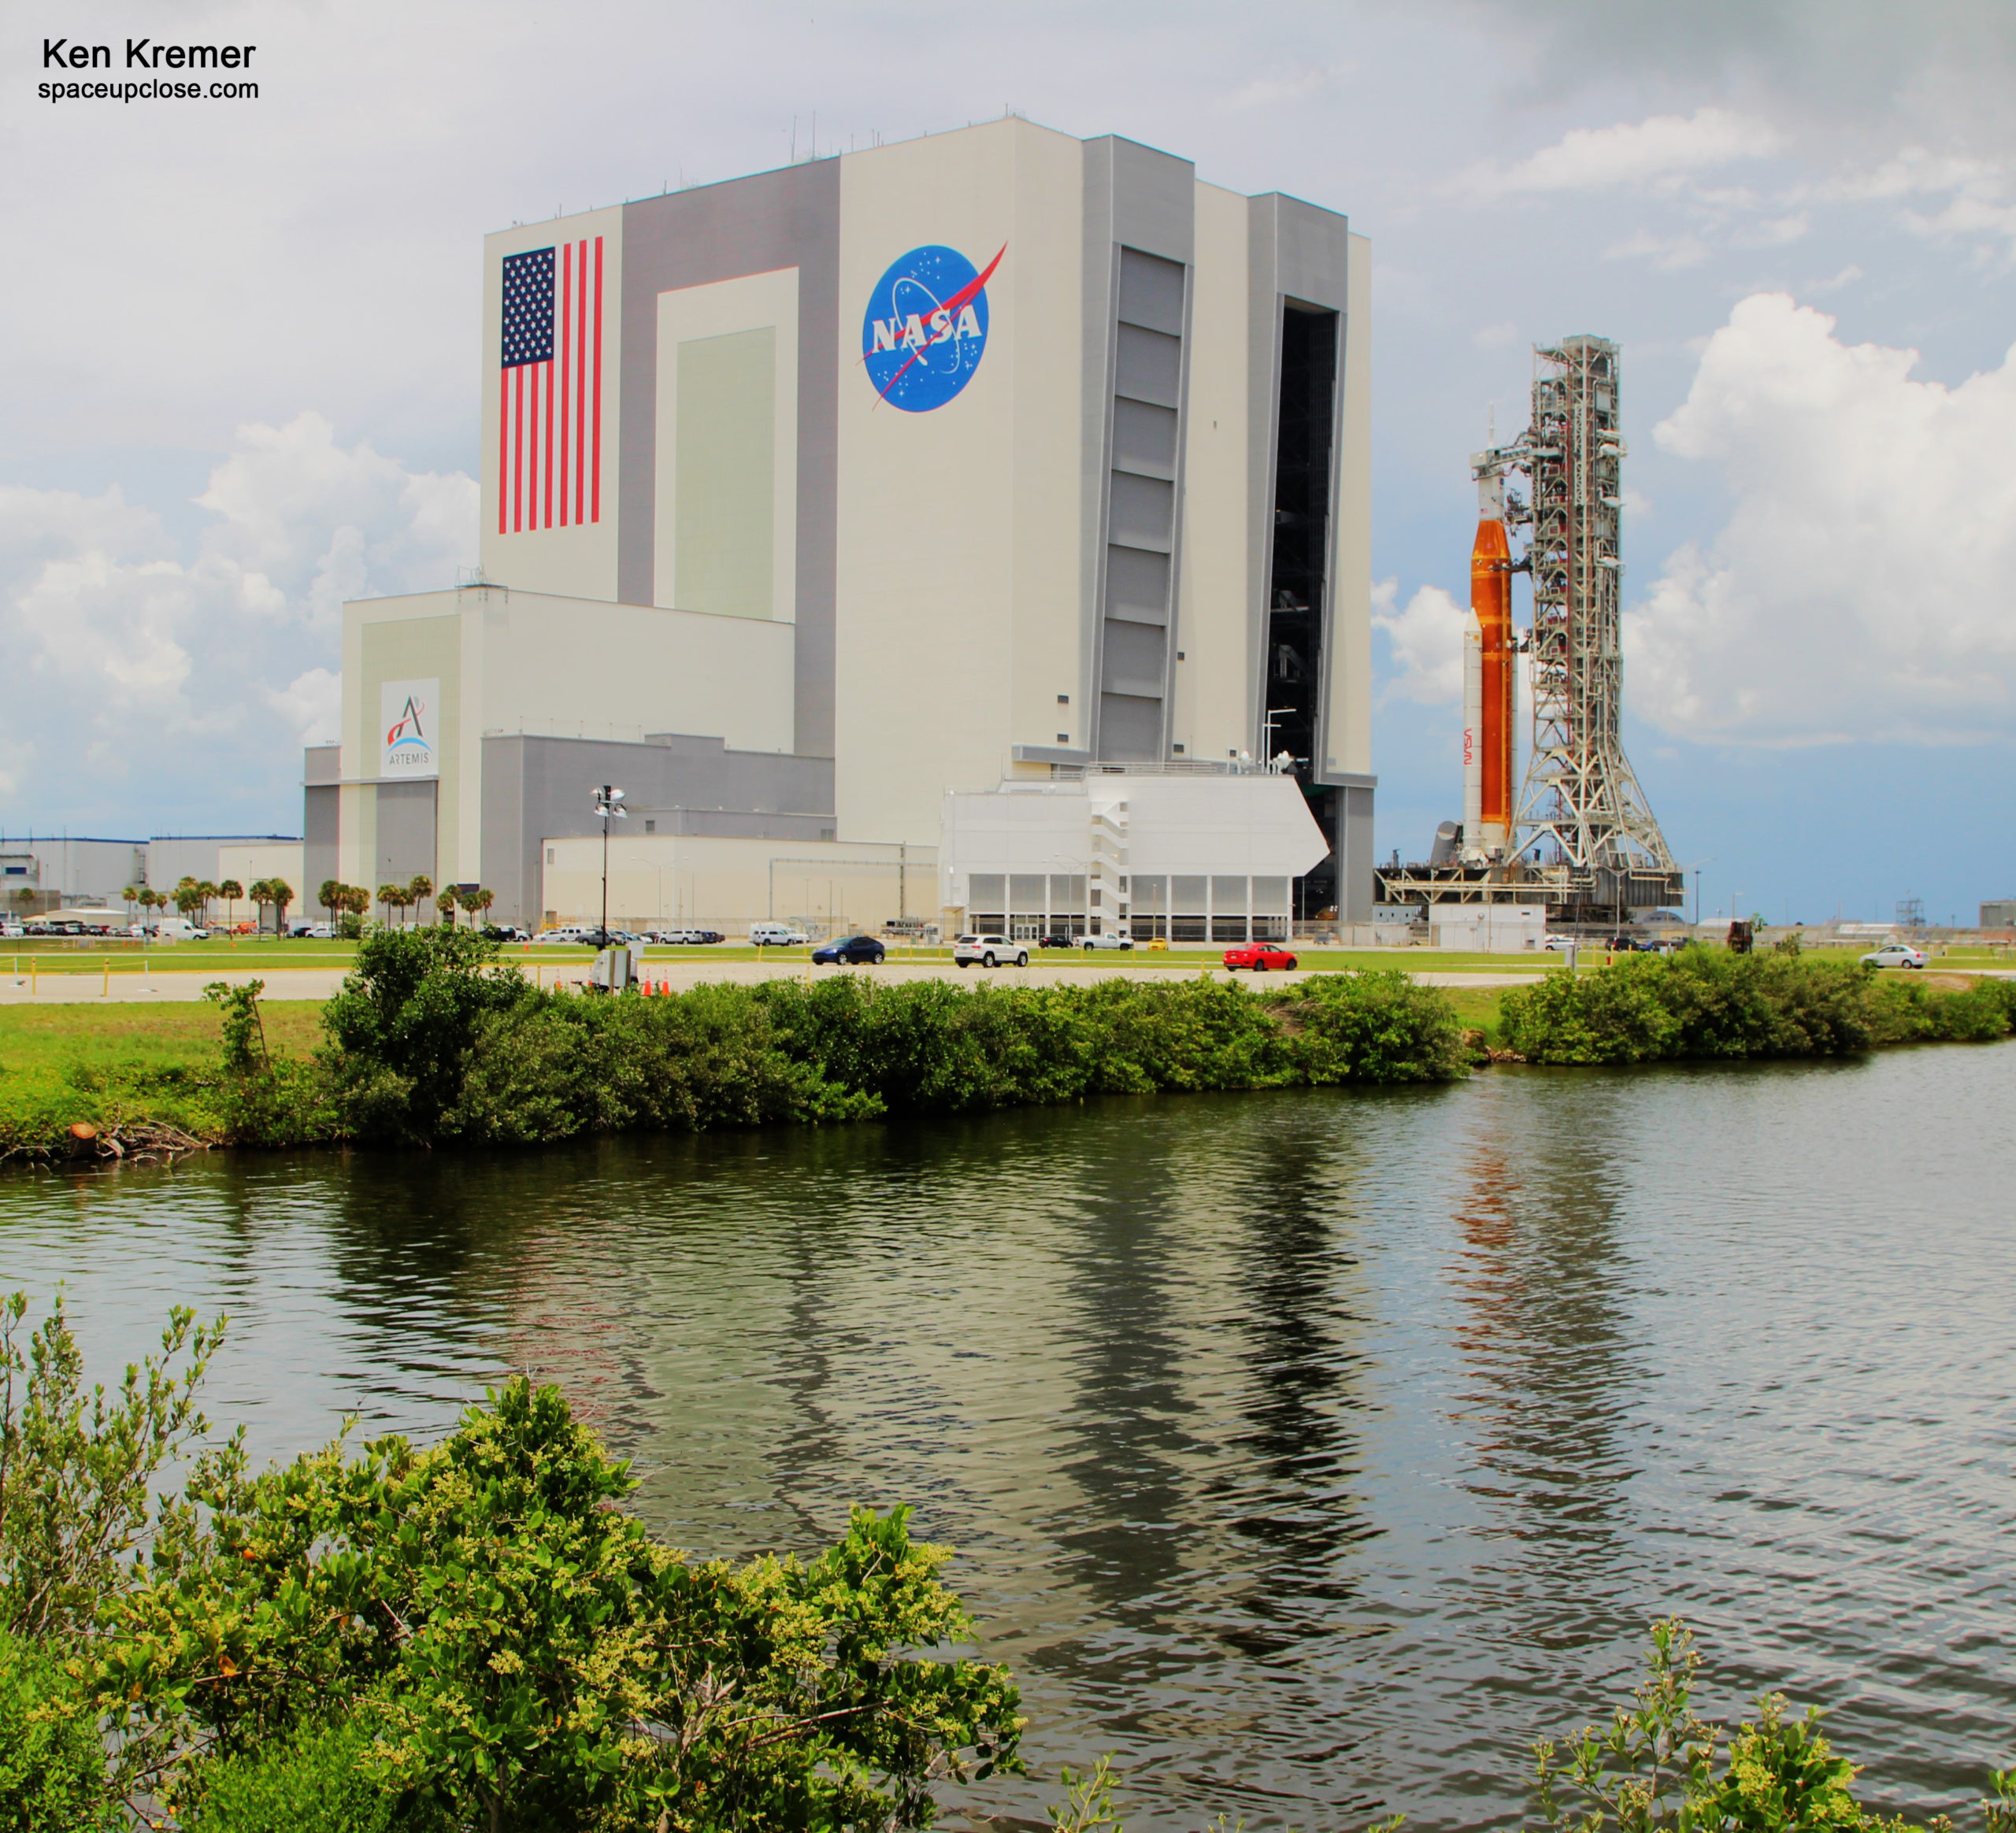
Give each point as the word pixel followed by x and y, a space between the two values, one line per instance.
pixel 1660 148
pixel 1979 198
pixel 1271 92
pixel 1861 586
pixel 1667 252
pixel 145 678
pixel 312 704
pixel 1427 640
pixel 1773 231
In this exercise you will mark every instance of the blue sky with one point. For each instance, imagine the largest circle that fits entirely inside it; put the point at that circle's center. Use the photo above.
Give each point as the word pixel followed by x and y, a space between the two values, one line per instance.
pixel 245 359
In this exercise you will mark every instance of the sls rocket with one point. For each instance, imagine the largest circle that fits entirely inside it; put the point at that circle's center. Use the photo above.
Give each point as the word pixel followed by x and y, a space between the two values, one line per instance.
pixel 1490 682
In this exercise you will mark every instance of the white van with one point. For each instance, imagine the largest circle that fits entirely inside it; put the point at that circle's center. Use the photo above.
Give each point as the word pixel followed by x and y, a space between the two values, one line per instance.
pixel 776 936
pixel 170 929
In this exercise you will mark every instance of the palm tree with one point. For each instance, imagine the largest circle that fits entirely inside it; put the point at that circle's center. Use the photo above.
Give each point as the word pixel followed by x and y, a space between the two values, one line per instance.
pixel 332 894
pixel 419 889
pixel 188 898
pixel 132 895
pixel 444 905
pixel 231 890
pixel 392 897
pixel 478 903
pixel 279 893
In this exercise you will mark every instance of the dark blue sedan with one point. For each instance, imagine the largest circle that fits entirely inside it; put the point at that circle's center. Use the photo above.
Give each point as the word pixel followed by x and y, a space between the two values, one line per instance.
pixel 851 951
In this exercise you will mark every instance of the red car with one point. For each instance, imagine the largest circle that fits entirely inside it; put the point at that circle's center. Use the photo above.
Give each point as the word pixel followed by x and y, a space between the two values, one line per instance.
pixel 1261 956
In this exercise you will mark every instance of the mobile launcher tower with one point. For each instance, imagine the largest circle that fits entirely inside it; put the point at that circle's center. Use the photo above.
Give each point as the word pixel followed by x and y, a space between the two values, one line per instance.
pixel 1578 831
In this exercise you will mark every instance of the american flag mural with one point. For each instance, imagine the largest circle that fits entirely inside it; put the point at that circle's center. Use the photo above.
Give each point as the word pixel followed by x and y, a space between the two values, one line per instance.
pixel 549 452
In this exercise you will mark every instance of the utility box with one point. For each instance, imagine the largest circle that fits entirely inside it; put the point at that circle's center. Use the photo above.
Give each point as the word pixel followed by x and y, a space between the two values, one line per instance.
pixel 1489 928
pixel 617 968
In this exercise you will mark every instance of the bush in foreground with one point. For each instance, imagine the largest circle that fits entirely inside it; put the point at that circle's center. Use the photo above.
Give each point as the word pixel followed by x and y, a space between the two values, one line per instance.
pixel 474 1635
pixel 1656 1766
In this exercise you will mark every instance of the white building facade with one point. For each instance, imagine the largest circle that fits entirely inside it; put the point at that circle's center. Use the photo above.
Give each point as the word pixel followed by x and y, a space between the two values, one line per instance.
pixel 1139 851
pixel 817 495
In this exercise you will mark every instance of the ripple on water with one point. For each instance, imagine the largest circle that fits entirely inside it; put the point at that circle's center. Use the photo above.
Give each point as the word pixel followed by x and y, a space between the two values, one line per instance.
pixel 1312 1452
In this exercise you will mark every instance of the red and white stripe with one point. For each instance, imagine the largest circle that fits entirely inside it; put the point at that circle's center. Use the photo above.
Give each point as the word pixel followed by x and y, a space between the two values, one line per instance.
pixel 549 420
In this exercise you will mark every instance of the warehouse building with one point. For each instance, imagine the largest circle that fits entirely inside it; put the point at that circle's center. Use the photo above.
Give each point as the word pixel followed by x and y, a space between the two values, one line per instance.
pixel 984 462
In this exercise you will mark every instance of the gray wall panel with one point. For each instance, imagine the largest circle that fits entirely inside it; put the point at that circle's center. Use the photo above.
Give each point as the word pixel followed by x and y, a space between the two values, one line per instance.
pixel 1144 439
pixel 1143 513
pixel 321 815
pixel 790 218
pixel 1150 292
pixel 535 789
pixel 1149 366
pixel 1353 855
pixel 1130 728
pixel 406 830
pixel 1137 585
pixel 1135 661
pixel 1312 252
pixel 1154 196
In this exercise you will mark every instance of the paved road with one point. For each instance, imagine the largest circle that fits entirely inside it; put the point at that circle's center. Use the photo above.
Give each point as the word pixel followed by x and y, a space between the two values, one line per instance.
pixel 127 982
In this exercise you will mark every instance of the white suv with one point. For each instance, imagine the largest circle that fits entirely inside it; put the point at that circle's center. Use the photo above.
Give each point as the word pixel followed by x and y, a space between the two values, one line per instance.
pixel 989 951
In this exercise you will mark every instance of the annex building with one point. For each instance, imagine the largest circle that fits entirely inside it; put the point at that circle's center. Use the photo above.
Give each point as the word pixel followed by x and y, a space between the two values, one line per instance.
pixel 994 462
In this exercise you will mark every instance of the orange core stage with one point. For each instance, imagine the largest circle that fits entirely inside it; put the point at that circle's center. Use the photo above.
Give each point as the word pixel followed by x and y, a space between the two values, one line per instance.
pixel 1496 736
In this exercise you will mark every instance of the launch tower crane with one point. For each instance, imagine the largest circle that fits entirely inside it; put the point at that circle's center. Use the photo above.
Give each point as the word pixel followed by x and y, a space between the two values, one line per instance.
pixel 1581 829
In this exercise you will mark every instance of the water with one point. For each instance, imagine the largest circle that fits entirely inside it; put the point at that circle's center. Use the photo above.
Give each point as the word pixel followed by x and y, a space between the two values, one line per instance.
pixel 1311 1452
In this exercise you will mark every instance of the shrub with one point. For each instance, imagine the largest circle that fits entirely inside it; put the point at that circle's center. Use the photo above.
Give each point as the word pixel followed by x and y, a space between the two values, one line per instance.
pixel 545 1066
pixel 1703 1003
pixel 401 1030
pixel 1374 1026
pixel 52 1765
pixel 524 1654
pixel 319 1777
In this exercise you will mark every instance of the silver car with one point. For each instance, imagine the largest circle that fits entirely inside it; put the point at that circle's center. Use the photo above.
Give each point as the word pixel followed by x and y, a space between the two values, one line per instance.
pixel 1895 954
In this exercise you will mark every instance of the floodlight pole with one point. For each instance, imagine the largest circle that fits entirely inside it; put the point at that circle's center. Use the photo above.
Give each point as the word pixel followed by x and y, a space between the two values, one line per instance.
pixel 609 806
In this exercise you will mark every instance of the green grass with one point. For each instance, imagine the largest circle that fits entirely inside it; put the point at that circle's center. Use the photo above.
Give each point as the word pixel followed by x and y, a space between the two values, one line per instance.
pixel 109 1065
pixel 142 1038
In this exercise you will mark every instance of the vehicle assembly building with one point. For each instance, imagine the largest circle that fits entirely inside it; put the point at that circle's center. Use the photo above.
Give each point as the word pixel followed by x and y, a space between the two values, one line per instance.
pixel 1578 834
pixel 991 462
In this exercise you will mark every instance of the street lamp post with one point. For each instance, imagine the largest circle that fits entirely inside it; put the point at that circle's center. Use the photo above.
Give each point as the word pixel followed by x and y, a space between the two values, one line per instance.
pixel 609 807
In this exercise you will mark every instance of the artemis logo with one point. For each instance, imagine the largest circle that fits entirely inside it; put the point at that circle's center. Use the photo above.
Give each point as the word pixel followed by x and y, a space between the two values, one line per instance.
pixel 925 328
pixel 406 711
pixel 405 730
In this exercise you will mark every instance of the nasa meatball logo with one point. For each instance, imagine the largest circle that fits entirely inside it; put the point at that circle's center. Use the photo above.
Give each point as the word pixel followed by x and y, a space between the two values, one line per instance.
pixel 925 329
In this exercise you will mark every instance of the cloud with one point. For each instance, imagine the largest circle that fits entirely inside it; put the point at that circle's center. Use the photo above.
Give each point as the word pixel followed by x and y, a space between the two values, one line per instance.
pixel 1667 252
pixel 312 703
pixel 1660 148
pixel 1860 589
pixel 1427 644
pixel 143 680
pixel 1271 92
pixel 1979 198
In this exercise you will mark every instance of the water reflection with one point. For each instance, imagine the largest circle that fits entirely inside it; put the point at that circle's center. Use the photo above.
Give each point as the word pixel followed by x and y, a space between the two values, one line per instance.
pixel 1311 1452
